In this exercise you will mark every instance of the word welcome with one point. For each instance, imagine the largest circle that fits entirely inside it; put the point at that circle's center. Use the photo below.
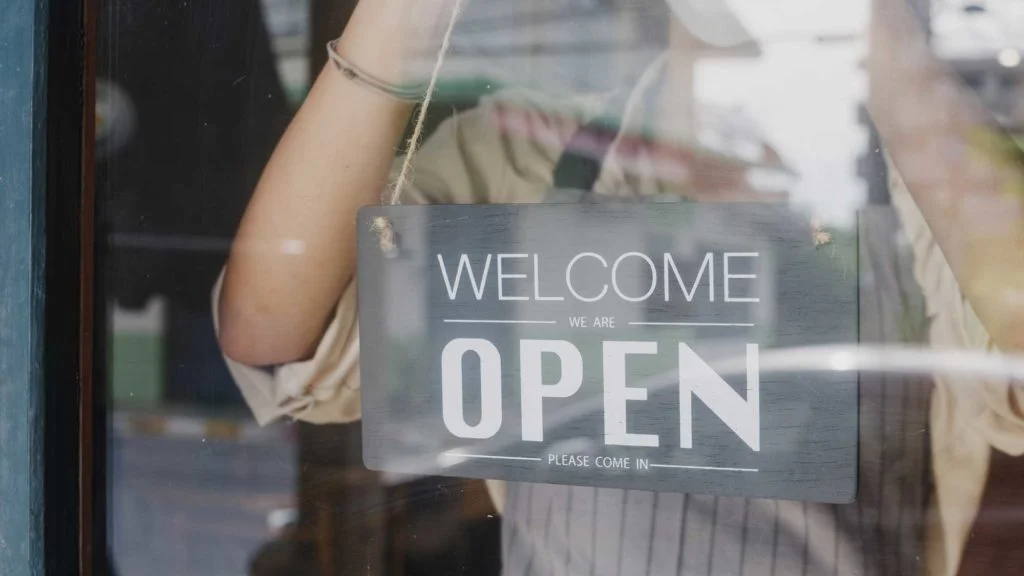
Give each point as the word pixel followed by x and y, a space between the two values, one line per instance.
pixel 669 280
pixel 696 378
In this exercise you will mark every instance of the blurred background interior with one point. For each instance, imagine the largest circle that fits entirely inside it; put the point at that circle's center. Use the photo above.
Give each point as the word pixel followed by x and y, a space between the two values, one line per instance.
pixel 192 97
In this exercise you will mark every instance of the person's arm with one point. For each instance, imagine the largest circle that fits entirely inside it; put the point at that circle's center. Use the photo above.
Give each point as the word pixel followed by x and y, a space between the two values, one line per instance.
pixel 947 151
pixel 296 248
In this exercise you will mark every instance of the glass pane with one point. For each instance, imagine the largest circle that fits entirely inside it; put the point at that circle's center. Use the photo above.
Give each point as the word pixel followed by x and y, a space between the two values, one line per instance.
pixel 195 486
pixel 806 215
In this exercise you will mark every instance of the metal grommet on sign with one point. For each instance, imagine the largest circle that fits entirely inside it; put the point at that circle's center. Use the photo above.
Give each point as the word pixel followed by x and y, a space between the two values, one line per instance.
pixel 386 236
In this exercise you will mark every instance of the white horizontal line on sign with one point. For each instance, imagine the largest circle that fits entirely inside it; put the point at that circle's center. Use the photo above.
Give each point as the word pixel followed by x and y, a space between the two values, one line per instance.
pixel 704 468
pixel 490 457
pixel 454 321
pixel 737 324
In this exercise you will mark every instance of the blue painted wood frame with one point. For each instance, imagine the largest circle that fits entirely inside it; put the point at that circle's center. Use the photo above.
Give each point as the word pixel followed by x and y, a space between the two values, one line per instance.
pixel 23 36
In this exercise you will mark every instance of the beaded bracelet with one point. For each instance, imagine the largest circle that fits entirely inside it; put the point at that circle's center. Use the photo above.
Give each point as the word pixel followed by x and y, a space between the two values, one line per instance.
pixel 354 73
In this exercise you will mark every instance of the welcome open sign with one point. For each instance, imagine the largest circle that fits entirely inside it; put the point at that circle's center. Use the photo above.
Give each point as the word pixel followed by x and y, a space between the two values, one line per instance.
pixel 615 345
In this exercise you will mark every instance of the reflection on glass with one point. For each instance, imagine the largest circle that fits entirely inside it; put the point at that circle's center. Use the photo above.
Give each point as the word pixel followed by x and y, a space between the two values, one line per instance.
pixel 887 134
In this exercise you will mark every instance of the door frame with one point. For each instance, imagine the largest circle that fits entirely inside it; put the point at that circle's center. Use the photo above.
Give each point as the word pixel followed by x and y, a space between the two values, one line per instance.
pixel 52 420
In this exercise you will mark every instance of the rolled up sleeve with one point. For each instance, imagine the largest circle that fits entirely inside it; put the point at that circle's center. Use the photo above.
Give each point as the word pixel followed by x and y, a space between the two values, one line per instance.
pixel 320 390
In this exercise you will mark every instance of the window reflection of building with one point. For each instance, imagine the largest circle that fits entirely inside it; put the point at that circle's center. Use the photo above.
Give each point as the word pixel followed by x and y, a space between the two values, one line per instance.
pixel 289 27
pixel 983 42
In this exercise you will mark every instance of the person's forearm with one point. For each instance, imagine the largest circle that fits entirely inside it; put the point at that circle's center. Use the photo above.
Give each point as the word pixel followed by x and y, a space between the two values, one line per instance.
pixel 295 250
pixel 949 156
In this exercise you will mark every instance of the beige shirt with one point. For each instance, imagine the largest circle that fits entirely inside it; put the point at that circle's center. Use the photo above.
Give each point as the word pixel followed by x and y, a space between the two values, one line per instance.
pixel 504 151
pixel 969 413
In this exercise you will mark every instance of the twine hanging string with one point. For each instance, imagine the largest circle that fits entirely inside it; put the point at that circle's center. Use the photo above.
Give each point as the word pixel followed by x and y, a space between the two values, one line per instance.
pixel 382 224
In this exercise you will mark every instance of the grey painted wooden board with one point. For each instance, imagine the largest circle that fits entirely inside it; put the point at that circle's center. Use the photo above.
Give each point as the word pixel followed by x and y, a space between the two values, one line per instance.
pixel 22 177
pixel 412 316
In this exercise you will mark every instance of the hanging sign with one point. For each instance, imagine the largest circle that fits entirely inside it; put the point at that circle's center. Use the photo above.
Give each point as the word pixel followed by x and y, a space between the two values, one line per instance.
pixel 642 346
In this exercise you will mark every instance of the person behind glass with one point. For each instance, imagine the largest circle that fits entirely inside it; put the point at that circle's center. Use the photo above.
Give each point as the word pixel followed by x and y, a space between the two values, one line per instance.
pixel 287 299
